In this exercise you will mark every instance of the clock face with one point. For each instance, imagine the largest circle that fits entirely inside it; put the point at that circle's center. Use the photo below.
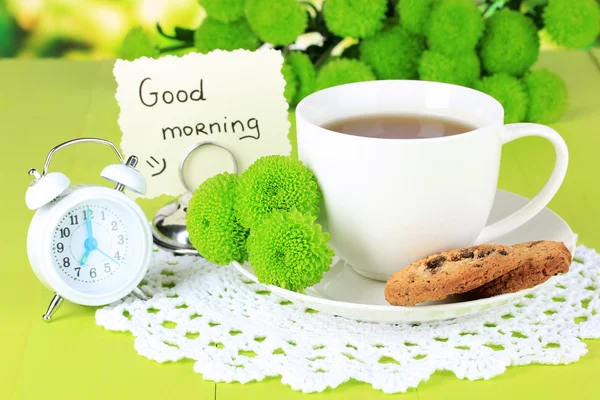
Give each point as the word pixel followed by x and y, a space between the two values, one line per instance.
pixel 92 246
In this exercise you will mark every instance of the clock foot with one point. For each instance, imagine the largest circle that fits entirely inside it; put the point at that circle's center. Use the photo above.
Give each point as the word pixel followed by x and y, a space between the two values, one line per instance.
pixel 54 305
pixel 139 293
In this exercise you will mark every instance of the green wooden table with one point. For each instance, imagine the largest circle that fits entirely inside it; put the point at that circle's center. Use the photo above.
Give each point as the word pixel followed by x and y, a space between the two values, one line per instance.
pixel 45 102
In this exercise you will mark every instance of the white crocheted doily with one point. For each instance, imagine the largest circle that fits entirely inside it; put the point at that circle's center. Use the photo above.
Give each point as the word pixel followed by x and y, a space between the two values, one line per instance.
pixel 238 332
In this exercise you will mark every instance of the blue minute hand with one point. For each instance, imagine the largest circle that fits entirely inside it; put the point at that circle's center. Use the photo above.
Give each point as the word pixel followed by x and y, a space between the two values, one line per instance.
pixel 88 222
pixel 107 256
pixel 89 242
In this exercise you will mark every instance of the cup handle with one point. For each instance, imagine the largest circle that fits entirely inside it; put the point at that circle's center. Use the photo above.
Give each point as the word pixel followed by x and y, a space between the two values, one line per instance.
pixel 537 204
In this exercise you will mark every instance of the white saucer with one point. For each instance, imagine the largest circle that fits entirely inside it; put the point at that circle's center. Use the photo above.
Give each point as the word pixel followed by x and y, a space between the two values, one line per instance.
pixel 344 292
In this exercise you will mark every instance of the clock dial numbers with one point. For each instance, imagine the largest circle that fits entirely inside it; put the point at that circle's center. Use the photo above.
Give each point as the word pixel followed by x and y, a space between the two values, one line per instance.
pixel 90 243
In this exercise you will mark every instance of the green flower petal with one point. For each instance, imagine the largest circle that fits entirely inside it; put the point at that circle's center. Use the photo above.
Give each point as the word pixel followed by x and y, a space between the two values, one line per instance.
pixel 137 44
pixel 510 92
pixel 455 26
pixel 278 22
pixel 393 53
pixel 305 73
pixel 223 10
pixel 510 44
pixel 341 71
pixel 288 251
pixel 354 18
pixel 573 23
pixel 275 183
pixel 414 14
pixel 213 35
pixel 212 224
pixel 461 69
pixel 547 96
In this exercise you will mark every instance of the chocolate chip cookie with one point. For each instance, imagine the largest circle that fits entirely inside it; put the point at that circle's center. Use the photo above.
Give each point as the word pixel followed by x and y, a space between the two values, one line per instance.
pixel 544 260
pixel 451 272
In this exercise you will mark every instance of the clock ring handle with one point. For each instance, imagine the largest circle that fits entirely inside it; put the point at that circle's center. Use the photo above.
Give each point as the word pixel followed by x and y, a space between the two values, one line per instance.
pixel 193 148
pixel 76 141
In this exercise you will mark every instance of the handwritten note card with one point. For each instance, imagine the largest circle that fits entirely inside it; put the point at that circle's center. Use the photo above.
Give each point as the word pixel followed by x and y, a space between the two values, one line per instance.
pixel 168 105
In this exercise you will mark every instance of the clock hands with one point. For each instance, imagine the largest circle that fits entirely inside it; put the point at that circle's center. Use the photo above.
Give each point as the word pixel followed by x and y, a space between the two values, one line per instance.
pixel 107 256
pixel 88 222
pixel 85 256
pixel 91 243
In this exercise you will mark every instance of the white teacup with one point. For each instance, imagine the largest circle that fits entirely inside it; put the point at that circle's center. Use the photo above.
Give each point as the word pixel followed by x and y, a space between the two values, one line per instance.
pixel 389 202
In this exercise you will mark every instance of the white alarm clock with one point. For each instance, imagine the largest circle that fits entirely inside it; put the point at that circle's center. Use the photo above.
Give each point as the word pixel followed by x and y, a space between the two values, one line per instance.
pixel 88 244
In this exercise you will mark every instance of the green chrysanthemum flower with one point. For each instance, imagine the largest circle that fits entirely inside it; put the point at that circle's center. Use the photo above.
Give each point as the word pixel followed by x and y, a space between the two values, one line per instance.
pixel 213 35
pixel 277 22
pixel 223 10
pixel 547 96
pixel 342 71
pixel 461 69
pixel 414 14
pixel 572 23
pixel 455 26
pixel 393 53
pixel 291 82
pixel 288 251
pixel 212 224
pixel 510 92
pixel 354 18
pixel 305 73
pixel 510 44
pixel 137 44
pixel 275 183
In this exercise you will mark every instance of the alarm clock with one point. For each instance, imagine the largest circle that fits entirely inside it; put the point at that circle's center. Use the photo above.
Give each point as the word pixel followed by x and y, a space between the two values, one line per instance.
pixel 89 244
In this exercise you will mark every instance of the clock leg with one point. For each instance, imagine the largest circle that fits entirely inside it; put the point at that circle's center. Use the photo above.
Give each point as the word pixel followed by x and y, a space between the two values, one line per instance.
pixel 139 293
pixel 54 304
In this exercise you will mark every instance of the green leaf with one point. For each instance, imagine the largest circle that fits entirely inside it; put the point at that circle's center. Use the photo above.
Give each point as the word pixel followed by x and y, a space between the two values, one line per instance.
pixel 183 34
pixel 137 44
pixel 162 32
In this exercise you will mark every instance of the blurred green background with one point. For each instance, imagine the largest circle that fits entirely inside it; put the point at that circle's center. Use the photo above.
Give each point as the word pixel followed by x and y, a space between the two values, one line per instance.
pixel 94 29
pixel 86 29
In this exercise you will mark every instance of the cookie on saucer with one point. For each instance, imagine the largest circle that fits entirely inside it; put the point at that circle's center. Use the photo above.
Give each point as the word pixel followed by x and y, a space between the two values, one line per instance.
pixel 546 259
pixel 451 272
